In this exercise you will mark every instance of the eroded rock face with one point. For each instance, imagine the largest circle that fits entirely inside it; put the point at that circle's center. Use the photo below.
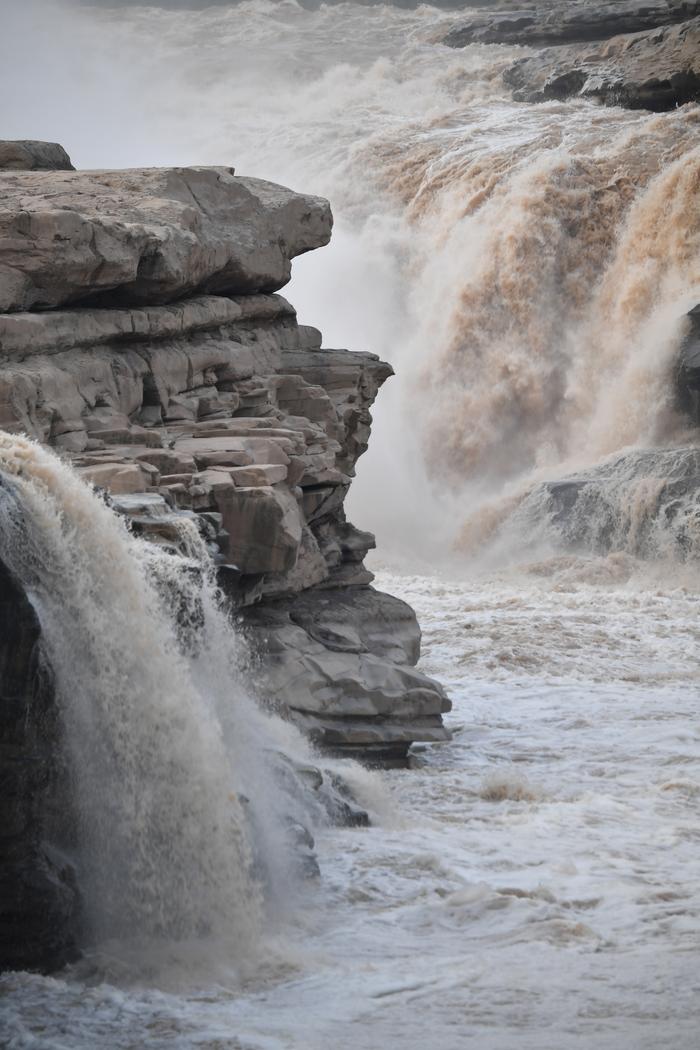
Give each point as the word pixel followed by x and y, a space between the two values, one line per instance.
pixel 343 661
pixel 655 70
pixel 141 339
pixel 627 53
pixel 228 410
pixel 148 235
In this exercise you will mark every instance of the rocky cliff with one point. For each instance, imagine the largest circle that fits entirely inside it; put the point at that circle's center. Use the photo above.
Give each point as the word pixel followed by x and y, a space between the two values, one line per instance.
pixel 626 53
pixel 141 336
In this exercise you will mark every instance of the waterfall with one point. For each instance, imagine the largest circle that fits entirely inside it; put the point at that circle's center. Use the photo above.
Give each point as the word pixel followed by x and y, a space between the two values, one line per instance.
pixel 175 770
pixel 525 268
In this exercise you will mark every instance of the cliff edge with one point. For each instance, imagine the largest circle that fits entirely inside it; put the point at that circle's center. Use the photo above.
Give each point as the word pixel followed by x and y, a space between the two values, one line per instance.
pixel 142 338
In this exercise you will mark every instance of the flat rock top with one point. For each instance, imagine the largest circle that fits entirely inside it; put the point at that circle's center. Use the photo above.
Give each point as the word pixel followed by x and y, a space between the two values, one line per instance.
pixel 153 235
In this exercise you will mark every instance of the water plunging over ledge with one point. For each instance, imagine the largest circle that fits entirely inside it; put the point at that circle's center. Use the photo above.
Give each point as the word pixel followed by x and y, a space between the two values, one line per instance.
pixel 179 784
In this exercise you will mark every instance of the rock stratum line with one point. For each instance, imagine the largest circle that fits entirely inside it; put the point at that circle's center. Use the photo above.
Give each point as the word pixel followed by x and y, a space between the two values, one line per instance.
pixel 142 339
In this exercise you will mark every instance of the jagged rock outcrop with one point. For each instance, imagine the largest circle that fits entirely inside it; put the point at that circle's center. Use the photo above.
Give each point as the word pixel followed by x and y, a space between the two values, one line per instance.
pixel 343 661
pixel 642 56
pixel 656 70
pixel 164 367
pixel 227 409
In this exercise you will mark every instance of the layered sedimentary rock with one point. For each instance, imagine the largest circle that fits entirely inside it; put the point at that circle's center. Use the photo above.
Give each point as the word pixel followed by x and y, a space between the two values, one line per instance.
pixel 543 24
pixel 656 70
pixel 219 407
pixel 148 236
pixel 642 56
pixel 355 643
pixel 141 337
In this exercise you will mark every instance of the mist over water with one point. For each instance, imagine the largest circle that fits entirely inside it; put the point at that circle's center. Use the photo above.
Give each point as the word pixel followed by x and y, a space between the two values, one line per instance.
pixel 527 270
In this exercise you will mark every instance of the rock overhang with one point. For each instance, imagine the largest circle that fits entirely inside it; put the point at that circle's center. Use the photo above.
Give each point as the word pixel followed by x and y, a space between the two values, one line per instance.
pixel 148 236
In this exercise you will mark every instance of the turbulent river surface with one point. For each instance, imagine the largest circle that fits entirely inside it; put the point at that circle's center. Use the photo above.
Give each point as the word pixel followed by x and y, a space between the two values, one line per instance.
pixel 526 269
pixel 533 884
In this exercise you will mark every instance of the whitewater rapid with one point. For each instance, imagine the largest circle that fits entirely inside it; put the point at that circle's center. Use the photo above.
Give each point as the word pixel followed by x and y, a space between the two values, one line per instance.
pixel 532 884
pixel 526 270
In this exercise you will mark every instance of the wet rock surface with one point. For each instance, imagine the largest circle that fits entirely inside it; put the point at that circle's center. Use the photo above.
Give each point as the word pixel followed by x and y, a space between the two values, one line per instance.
pixel 38 895
pixel 688 370
pixel 641 56
pixel 545 24
pixel 343 661
pixel 644 503
pixel 656 70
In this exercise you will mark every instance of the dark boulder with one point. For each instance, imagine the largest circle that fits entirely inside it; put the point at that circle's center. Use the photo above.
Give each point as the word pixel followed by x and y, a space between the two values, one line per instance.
pixel 38 896
pixel 688 374
pixel 28 155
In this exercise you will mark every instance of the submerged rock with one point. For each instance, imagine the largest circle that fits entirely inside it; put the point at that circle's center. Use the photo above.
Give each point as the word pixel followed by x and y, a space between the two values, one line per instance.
pixel 644 503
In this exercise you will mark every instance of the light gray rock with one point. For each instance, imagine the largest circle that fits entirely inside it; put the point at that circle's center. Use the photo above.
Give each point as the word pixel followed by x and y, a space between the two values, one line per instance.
pixel 224 408
pixel 148 235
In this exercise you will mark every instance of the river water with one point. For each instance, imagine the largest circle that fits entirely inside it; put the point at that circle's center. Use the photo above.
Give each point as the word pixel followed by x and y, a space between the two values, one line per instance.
pixel 534 884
